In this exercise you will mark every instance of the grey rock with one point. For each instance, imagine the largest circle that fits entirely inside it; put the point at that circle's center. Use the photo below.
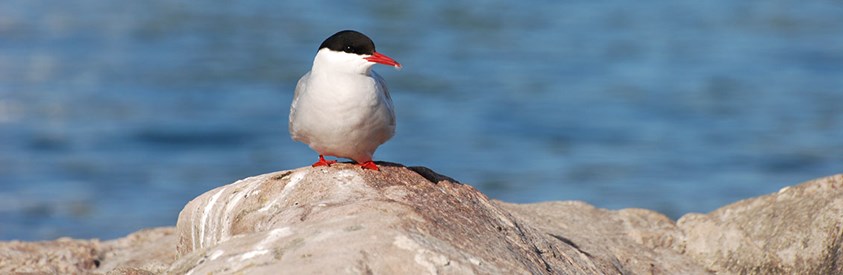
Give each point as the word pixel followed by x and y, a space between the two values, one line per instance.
pixel 146 251
pixel 410 220
pixel 62 256
pixel 628 241
pixel 798 230
pixel 346 220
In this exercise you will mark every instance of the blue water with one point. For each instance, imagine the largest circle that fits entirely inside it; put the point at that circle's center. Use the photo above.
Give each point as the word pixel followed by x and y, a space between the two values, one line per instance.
pixel 114 114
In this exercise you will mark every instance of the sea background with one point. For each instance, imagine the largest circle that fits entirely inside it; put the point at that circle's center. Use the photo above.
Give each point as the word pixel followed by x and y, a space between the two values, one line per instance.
pixel 114 114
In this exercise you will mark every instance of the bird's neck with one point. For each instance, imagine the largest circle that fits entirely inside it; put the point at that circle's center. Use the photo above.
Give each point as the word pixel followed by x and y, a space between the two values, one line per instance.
pixel 328 69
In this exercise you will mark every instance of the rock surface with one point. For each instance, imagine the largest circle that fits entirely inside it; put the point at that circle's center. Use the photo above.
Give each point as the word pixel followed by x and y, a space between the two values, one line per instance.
pixel 346 220
pixel 410 220
pixel 149 251
pixel 634 241
pixel 798 230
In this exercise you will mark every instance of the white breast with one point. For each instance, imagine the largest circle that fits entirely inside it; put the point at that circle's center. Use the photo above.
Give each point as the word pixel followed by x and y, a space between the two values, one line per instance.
pixel 345 115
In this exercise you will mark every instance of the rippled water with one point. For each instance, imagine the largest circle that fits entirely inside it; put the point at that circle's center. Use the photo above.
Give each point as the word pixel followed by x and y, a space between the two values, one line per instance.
pixel 114 114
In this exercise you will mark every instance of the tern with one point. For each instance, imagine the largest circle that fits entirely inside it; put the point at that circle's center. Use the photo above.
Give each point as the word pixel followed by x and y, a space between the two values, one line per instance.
pixel 341 107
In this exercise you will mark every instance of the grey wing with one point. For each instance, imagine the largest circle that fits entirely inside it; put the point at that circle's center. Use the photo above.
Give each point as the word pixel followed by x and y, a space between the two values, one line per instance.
pixel 382 87
pixel 300 87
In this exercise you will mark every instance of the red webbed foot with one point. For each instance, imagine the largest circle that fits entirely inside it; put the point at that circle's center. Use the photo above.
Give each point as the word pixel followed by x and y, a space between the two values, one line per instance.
pixel 323 162
pixel 369 165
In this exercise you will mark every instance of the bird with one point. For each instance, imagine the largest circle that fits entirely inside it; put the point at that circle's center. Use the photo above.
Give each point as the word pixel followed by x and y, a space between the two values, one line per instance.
pixel 341 107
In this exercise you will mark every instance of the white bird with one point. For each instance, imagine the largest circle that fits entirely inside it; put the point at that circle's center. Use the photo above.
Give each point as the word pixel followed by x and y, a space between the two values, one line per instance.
pixel 341 107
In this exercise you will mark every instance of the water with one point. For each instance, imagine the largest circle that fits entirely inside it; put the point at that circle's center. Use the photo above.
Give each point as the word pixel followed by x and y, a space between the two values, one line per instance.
pixel 114 114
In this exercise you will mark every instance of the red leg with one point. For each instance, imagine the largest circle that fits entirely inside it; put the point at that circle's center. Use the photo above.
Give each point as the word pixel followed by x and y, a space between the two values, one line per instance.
pixel 323 162
pixel 369 165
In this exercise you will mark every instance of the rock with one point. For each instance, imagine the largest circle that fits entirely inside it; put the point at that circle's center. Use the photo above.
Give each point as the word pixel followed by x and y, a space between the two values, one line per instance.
pixel 149 250
pixel 629 241
pixel 146 251
pixel 410 220
pixel 343 219
pixel 62 256
pixel 798 230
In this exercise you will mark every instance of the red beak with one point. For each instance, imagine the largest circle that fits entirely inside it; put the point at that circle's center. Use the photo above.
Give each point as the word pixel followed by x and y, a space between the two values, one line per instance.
pixel 383 59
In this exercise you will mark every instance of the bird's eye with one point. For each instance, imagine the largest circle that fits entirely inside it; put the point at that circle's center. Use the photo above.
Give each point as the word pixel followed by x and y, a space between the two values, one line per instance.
pixel 347 48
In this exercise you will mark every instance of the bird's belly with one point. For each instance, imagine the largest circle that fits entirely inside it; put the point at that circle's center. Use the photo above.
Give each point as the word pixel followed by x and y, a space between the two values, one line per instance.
pixel 346 128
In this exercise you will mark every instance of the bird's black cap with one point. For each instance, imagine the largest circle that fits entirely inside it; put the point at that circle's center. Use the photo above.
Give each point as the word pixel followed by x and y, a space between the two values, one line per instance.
pixel 349 41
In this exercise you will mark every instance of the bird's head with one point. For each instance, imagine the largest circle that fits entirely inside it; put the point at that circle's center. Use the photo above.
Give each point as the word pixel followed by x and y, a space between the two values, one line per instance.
pixel 350 51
